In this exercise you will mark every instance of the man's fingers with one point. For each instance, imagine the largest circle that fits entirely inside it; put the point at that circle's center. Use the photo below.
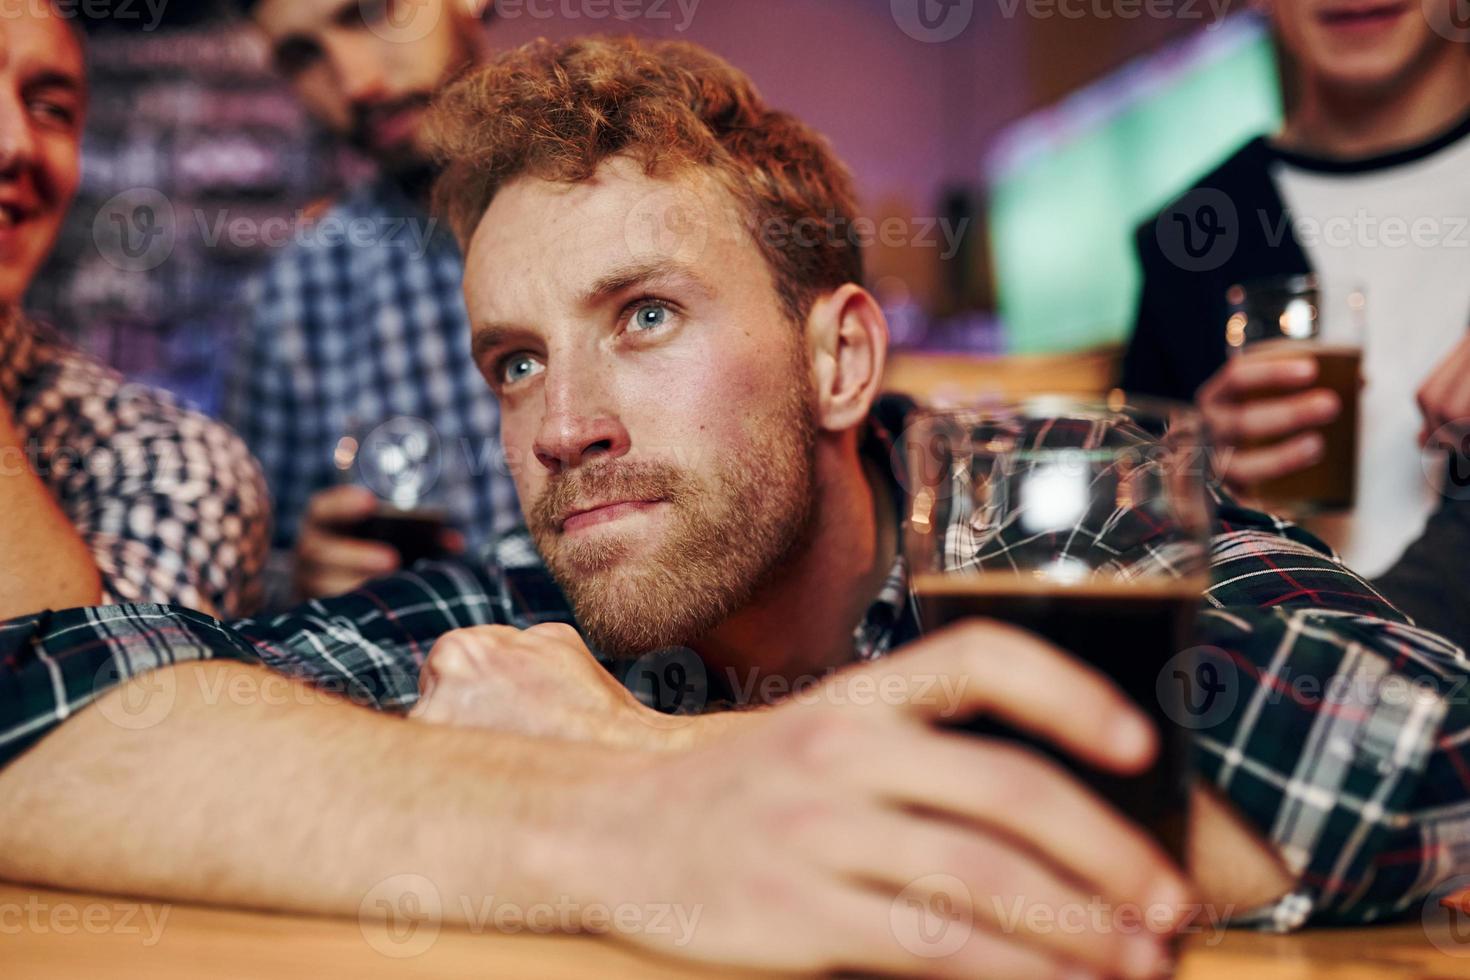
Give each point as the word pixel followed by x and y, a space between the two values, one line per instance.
pixel 563 632
pixel 327 565
pixel 986 668
pixel 1274 417
pixel 1002 886
pixel 917 935
pixel 1247 467
pixel 1246 375
pixel 321 585
pixel 340 505
pixel 1451 435
pixel 333 553
pixel 1022 795
pixel 1445 394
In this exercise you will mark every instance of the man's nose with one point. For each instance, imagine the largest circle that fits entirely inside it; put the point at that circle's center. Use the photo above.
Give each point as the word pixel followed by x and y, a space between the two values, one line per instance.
pixel 577 426
pixel 358 66
pixel 17 139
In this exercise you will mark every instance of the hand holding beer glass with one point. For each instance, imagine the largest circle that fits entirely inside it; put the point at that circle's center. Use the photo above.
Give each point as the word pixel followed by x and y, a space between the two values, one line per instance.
pixel 1088 524
pixel 1284 410
pixel 399 461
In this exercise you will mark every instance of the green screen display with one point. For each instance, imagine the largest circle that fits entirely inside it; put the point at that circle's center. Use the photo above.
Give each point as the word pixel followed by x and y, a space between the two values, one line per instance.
pixel 1069 185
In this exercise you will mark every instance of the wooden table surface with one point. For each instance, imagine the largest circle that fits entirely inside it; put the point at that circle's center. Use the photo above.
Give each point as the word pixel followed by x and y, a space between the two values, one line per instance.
pixel 47 934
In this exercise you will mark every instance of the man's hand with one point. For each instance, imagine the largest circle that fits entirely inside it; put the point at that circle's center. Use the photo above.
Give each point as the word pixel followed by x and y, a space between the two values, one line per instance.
pixel 1444 401
pixel 330 563
pixel 542 681
pixel 1240 427
pixel 846 831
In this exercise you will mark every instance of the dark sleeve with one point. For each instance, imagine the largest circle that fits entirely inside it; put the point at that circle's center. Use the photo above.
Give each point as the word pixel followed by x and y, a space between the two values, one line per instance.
pixel 1431 579
pixel 365 646
pixel 54 664
pixel 1146 360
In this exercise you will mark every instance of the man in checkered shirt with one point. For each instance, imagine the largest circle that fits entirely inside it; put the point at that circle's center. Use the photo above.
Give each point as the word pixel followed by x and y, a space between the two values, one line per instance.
pixel 361 320
pixel 713 490
pixel 109 492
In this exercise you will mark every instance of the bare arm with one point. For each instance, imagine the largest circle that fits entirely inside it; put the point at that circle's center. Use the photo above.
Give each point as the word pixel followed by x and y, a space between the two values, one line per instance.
pixel 45 562
pixel 545 681
pixel 250 790
pixel 255 791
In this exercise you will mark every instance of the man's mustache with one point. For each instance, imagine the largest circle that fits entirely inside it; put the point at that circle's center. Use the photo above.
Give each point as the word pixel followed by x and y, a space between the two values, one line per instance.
pixel 366 116
pixel 644 480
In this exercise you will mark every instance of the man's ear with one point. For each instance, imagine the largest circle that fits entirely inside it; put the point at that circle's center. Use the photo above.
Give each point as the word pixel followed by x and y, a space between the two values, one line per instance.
pixel 847 335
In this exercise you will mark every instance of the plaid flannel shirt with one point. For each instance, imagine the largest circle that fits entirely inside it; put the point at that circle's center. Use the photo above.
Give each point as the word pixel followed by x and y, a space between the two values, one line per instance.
pixel 168 501
pixel 1343 745
pixel 360 324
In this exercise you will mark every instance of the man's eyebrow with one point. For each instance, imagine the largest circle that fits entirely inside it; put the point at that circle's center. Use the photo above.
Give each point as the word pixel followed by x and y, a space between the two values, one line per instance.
pixel 56 78
pixel 488 336
pixel 657 271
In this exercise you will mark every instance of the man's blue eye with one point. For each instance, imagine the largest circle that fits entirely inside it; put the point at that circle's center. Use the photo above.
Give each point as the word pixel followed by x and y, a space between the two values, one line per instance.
pixel 519 367
pixel 650 316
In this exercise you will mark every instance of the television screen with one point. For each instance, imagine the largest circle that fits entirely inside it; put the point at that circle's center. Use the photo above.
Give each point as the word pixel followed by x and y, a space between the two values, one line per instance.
pixel 1069 184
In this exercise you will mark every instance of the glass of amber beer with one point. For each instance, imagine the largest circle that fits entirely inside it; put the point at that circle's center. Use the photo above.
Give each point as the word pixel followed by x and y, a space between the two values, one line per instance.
pixel 1282 317
pixel 1087 523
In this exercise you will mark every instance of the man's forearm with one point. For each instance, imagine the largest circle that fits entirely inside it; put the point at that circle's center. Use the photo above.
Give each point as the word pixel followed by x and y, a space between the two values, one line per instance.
pixel 255 791
pixel 45 561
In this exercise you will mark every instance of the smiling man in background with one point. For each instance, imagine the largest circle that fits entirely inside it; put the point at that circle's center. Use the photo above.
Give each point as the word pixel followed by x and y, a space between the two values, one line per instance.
pixel 109 492
pixel 346 334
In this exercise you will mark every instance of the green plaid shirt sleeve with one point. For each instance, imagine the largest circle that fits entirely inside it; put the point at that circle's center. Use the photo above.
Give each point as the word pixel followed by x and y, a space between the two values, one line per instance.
pixel 365 646
pixel 1340 729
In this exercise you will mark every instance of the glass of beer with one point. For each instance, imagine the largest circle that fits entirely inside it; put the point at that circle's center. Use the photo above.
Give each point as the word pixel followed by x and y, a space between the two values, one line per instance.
pixel 399 460
pixel 1087 523
pixel 1283 317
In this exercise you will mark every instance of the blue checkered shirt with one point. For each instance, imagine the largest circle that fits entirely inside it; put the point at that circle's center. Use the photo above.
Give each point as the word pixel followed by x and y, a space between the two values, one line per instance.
pixel 359 321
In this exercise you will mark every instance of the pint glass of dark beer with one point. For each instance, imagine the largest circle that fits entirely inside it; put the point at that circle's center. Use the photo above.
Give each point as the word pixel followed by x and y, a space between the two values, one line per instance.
pixel 1087 523
pixel 399 460
pixel 1292 316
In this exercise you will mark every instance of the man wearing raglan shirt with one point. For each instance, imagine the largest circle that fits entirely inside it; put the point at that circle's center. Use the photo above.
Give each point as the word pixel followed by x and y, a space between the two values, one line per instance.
pixel 1368 186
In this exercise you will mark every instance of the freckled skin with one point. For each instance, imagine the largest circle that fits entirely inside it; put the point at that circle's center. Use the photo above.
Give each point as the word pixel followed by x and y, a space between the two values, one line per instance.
pixel 694 390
